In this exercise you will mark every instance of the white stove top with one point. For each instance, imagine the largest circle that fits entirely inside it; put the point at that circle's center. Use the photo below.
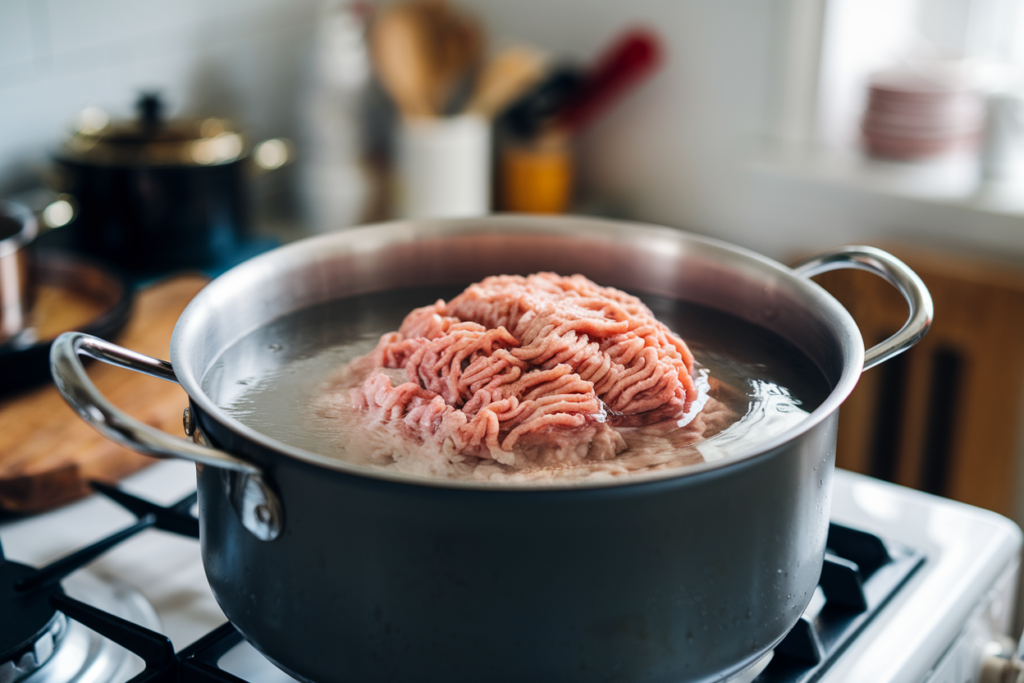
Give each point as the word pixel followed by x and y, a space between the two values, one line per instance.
pixel 934 629
pixel 971 562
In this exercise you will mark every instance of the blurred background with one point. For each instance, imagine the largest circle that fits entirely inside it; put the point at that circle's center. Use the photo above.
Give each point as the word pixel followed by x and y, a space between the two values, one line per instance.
pixel 786 126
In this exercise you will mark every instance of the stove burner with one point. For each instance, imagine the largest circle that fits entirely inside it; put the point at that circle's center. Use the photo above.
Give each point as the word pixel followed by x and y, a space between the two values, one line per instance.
pixel 62 649
pixel 38 639
pixel 85 655
pixel 30 627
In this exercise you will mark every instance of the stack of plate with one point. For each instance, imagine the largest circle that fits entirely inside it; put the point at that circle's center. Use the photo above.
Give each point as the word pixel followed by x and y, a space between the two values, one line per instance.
pixel 920 113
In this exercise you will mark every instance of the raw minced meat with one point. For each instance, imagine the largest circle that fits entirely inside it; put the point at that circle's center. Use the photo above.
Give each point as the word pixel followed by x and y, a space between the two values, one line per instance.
pixel 534 372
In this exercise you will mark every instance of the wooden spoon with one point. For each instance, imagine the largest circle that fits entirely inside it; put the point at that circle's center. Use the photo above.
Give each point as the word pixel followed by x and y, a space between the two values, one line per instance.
pixel 458 46
pixel 404 48
pixel 505 77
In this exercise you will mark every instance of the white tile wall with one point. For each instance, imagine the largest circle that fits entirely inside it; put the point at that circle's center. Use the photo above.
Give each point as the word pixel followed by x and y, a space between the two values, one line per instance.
pixel 237 58
pixel 15 35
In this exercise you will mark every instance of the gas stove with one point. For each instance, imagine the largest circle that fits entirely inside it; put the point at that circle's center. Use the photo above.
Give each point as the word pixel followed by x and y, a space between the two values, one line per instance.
pixel 914 588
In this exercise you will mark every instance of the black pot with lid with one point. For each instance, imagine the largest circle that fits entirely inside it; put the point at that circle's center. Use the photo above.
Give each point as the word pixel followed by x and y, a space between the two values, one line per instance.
pixel 156 194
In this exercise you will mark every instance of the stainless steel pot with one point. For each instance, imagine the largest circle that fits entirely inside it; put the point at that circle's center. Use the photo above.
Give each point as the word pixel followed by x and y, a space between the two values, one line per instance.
pixel 340 574
pixel 156 193
pixel 18 227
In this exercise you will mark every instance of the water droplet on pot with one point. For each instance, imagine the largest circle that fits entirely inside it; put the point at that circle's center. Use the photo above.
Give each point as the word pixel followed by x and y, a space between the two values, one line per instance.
pixel 276 347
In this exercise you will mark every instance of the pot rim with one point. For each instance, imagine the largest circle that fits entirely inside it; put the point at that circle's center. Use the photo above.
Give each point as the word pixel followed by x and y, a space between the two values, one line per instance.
pixel 23 216
pixel 370 237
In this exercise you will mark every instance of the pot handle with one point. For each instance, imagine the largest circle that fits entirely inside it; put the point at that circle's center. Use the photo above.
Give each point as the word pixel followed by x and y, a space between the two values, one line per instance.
pixel 258 507
pixel 898 275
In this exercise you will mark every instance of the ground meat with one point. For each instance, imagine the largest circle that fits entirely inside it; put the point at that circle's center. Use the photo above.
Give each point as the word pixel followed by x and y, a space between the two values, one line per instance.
pixel 535 371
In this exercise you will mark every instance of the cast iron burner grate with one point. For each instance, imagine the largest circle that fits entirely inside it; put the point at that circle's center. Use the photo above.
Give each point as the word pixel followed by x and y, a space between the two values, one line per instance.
pixel 861 573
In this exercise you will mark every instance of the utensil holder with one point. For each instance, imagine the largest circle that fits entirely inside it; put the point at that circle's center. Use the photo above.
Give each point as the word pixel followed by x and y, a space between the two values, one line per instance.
pixel 444 167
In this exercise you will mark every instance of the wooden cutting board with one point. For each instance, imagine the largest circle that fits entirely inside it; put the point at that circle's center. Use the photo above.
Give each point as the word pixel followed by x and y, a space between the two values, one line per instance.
pixel 48 454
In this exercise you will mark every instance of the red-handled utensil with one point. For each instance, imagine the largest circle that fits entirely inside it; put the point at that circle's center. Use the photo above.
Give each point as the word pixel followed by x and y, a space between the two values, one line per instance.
pixel 629 60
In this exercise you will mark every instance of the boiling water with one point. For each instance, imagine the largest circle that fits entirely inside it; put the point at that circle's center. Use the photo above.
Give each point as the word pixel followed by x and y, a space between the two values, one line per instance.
pixel 269 379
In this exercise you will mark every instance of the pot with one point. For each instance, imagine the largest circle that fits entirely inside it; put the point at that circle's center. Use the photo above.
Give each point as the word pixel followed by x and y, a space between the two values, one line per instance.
pixel 18 227
pixel 157 193
pixel 336 573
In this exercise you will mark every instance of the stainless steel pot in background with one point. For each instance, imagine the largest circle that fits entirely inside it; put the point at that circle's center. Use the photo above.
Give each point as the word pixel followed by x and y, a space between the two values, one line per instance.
pixel 157 193
pixel 337 573
pixel 33 286
pixel 18 227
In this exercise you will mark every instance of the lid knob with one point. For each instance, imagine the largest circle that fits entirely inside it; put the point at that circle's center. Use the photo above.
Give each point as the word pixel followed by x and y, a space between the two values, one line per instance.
pixel 150 108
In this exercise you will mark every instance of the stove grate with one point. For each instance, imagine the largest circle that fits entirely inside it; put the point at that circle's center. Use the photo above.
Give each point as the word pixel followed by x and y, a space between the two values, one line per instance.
pixel 30 599
pixel 861 573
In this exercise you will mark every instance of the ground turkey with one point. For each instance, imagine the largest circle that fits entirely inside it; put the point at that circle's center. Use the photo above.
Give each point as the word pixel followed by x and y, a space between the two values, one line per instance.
pixel 528 372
